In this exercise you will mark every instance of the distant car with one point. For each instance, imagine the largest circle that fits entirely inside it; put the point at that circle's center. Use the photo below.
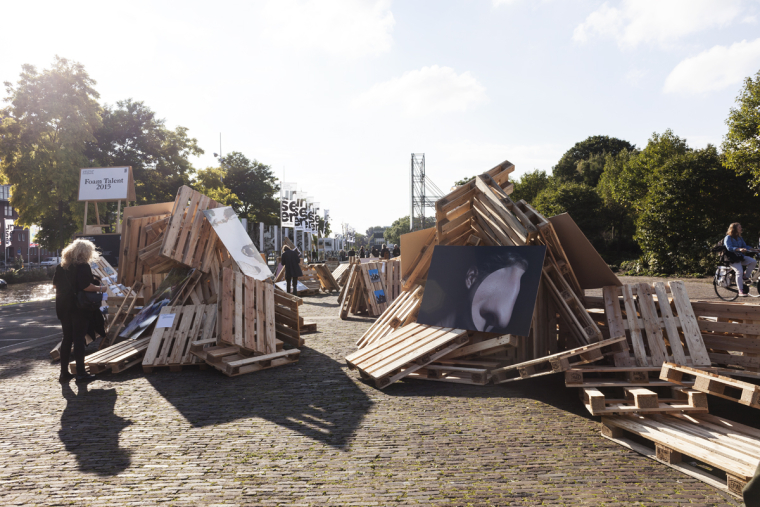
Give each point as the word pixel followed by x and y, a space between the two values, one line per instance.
pixel 53 261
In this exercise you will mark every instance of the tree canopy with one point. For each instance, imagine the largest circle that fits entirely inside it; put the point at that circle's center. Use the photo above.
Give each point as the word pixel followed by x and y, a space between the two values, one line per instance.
pixel 567 167
pixel 741 145
pixel 53 115
pixel 529 186
pixel 132 135
pixel 256 187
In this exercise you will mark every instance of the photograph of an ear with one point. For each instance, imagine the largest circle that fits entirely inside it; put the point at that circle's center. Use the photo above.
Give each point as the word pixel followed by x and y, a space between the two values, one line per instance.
pixel 490 288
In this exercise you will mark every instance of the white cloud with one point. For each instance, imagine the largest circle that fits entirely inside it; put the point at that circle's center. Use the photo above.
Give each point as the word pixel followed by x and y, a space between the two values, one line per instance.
pixel 661 22
pixel 428 90
pixel 349 28
pixel 717 68
pixel 635 76
pixel 497 3
pixel 475 157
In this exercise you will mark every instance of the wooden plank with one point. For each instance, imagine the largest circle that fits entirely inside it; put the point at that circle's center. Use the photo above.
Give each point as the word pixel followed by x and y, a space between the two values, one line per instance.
pixel 670 323
pixel 615 324
pixel 637 340
pixel 689 326
pixel 657 348
pixel 711 383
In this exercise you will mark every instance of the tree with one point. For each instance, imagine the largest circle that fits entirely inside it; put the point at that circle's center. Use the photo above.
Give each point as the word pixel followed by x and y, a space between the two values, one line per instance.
pixel 463 181
pixel 530 185
pixel 52 117
pixel 132 135
pixel 393 233
pixel 689 207
pixel 209 182
pixel 255 186
pixel 741 146
pixel 579 200
pixel 567 167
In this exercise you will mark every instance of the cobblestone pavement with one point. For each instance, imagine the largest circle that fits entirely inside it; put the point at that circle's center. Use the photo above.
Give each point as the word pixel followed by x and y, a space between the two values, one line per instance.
pixel 311 434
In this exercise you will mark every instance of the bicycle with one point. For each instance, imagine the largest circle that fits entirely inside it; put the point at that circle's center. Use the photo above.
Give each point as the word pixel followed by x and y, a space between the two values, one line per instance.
pixel 724 281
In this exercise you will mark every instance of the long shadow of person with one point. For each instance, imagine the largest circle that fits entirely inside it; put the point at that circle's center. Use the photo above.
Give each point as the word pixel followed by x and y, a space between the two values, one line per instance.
pixel 90 430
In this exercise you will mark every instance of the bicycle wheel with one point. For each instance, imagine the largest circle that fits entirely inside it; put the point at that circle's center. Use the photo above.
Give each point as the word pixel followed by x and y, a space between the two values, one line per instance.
pixel 726 293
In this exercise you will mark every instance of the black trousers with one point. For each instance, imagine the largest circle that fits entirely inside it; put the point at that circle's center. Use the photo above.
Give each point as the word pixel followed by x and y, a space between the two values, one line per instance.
pixel 74 328
pixel 293 279
pixel 751 491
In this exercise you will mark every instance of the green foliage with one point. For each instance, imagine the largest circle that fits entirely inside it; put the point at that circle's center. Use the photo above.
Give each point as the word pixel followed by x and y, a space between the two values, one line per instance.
pixel 529 186
pixel 393 233
pixel 256 187
pixel 741 146
pixel 578 199
pixel 21 275
pixel 210 183
pixel 52 116
pixel 463 181
pixel 132 135
pixel 567 167
pixel 689 207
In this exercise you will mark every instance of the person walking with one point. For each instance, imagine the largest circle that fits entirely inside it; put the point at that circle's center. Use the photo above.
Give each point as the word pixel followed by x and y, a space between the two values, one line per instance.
pixel 396 251
pixel 72 276
pixel 361 253
pixel 375 252
pixel 292 266
pixel 384 252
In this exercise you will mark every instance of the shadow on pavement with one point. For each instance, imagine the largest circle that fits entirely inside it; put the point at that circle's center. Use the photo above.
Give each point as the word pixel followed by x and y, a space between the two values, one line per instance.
pixel 549 389
pixel 90 430
pixel 312 397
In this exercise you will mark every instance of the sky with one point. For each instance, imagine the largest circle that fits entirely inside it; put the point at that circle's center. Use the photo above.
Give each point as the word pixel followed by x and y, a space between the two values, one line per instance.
pixel 335 95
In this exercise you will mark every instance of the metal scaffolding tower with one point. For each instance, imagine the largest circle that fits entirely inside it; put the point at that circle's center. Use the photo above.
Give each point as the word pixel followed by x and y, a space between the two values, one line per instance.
pixel 423 191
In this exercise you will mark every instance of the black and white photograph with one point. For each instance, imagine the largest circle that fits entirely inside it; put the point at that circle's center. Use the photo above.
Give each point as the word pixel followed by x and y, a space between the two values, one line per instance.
pixel 374 276
pixel 380 296
pixel 491 288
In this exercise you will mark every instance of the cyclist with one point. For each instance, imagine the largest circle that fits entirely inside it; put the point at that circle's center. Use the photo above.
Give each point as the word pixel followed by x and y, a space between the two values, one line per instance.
pixel 735 244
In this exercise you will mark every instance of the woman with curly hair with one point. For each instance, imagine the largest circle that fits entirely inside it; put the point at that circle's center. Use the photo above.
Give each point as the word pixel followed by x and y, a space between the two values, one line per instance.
pixel 72 276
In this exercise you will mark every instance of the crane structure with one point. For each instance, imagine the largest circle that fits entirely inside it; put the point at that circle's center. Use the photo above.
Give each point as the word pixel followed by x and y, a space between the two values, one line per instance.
pixel 423 193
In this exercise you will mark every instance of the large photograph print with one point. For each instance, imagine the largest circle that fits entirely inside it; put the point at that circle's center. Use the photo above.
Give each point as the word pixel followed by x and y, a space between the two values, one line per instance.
pixel 227 226
pixel 489 288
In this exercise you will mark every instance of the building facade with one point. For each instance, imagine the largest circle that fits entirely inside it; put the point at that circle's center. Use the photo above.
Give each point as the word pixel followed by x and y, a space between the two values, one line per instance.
pixel 16 240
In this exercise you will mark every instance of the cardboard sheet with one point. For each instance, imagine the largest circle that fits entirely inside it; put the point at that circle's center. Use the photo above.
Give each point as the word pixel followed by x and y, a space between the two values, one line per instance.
pixel 589 267
pixel 411 244
pixel 146 210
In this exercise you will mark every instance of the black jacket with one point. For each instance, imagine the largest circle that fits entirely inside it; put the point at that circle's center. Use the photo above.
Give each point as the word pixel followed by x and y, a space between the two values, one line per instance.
pixel 291 264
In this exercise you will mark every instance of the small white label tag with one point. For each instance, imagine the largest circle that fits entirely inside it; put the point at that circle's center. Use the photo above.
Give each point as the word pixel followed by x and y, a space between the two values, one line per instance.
pixel 165 320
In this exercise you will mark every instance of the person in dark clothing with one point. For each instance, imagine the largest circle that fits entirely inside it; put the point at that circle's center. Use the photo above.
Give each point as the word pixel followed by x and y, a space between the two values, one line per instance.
pixel 352 253
pixel 292 266
pixel 361 253
pixel 72 276
pixel 375 252
pixel 384 252
pixel 396 251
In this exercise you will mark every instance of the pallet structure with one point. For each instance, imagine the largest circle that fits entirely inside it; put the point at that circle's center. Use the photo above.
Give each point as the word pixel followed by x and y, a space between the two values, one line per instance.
pixel 731 333
pixel 712 383
pixel 726 445
pixel 170 346
pixel 404 352
pixel 233 361
pixel 326 279
pixel 340 273
pixel 644 401
pixel 116 358
pixel 246 313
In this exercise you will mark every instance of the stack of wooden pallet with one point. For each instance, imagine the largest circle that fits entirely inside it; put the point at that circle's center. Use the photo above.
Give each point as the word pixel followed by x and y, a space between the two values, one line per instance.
pixel 216 315
pixel 481 213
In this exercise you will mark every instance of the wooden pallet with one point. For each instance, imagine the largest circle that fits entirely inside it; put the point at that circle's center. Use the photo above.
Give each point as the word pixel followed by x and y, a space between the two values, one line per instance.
pixel 123 314
pixel 170 346
pixel 189 238
pixel 711 383
pixel 340 273
pixel 404 352
pixel 233 361
pixel 644 401
pixel 653 327
pixel 452 373
pixel 613 376
pixel 400 313
pixel 582 327
pixel 288 327
pixel 390 270
pixel 726 445
pixel 326 278
pixel 246 312
pixel 554 363
pixel 374 287
pixel 116 358
pixel 151 282
pixel 134 237
pixel 731 333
